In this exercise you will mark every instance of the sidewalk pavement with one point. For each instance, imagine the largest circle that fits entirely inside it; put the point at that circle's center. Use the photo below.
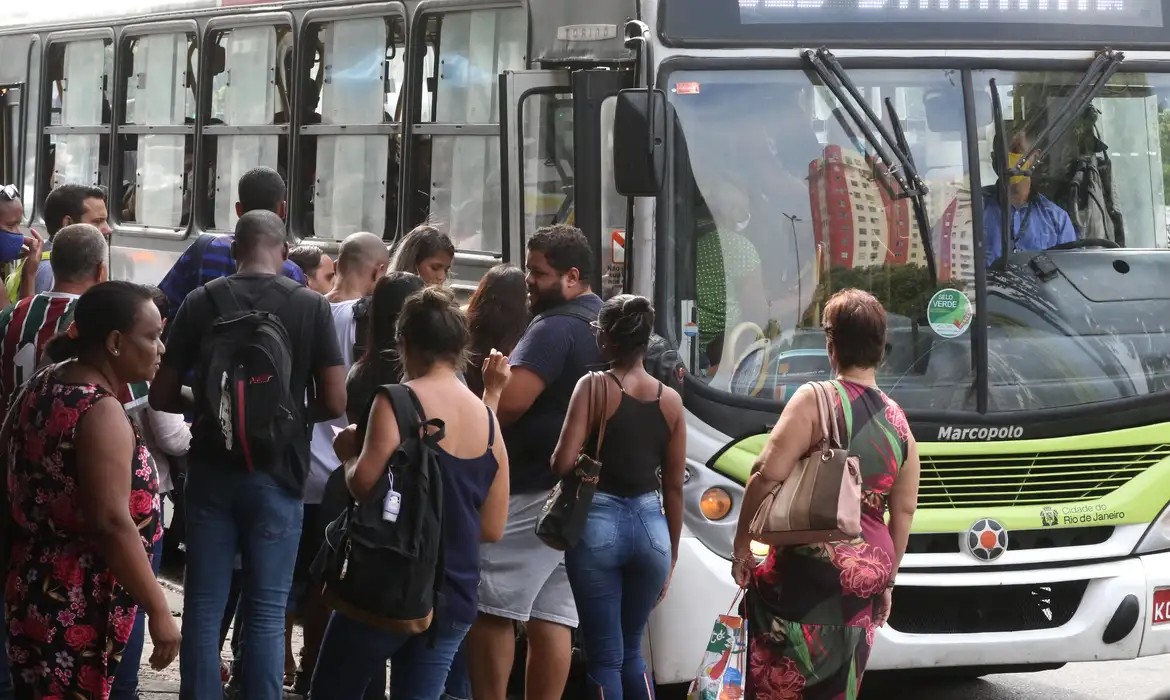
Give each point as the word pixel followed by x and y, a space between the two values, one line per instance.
pixel 164 684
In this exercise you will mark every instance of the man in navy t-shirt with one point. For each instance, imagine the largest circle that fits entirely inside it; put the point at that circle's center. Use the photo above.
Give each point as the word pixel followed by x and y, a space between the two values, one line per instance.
pixel 522 579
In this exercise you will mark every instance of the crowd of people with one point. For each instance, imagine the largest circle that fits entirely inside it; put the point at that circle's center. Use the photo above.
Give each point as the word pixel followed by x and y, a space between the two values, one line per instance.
pixel 516 378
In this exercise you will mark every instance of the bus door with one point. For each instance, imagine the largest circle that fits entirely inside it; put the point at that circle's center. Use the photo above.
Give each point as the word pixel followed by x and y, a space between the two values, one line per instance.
pixel 556 140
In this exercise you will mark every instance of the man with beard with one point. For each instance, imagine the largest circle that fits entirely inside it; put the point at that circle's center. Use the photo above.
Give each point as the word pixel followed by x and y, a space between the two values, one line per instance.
pixel 521 579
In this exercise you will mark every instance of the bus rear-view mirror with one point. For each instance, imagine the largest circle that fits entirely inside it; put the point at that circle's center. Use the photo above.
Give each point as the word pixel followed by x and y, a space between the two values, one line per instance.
pixel 639 142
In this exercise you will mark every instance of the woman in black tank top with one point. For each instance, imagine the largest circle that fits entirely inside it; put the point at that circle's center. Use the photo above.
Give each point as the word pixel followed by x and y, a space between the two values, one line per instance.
pixel 622 565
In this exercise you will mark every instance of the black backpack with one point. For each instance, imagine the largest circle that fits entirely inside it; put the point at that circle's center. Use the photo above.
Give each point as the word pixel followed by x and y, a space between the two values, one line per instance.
pixel 389 574
pixel 244 372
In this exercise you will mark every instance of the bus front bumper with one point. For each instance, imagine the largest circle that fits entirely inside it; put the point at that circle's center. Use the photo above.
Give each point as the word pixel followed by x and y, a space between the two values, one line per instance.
pixel 1115 597
pixel 1100 611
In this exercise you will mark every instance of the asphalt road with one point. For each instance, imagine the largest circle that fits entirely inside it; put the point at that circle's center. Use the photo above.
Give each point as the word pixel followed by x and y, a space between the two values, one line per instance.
pixel 1142 679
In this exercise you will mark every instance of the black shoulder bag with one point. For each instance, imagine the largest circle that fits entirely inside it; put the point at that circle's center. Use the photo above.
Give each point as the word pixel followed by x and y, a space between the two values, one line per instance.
pixel 562 520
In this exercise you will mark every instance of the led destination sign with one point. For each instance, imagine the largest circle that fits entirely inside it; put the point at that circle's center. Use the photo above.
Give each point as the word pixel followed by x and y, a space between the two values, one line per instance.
pixel 1124 13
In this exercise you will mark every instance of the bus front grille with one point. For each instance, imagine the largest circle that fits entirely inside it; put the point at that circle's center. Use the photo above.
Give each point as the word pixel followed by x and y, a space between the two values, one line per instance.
pixel 976 609
pixel 1031 478
pixel 1048 538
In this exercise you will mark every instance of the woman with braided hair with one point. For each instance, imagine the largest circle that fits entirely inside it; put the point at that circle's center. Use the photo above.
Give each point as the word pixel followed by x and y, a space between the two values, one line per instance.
pixel 621 567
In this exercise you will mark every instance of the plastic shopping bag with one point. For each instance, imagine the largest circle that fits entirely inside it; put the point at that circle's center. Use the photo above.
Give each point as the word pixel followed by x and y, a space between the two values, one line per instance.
pixel 721 675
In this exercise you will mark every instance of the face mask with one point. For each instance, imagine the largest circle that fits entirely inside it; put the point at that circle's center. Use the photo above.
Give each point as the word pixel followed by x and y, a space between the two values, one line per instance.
pixel 11 246
pixel 1014 158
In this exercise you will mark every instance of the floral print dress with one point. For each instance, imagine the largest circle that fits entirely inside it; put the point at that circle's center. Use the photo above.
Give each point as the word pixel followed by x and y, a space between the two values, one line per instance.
pixel 68 619
pixel 810 608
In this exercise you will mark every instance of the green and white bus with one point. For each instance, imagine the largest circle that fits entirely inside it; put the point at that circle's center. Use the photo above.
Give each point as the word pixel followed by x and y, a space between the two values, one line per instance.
pixel 737 161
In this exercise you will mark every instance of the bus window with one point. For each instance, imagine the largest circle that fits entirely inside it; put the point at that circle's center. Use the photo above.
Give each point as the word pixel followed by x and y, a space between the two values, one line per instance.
pixel 349 181
pixel 779 202
pixel 248 119
pixel 9 135
pixel 155 183
pixel 456 178
pixel 547 157
pixel 77 135
pixel 1105 179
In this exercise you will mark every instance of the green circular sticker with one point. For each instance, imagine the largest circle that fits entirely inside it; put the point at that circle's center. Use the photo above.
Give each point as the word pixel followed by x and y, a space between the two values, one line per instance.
pixel 949 313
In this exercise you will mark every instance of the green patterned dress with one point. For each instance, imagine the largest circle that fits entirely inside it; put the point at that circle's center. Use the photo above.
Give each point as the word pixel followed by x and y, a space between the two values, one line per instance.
pixel 810 608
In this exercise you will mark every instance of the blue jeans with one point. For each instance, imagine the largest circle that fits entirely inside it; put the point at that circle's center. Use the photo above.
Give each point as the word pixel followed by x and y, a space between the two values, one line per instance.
pixel 250 513
pixel 352 653
pixel 458 681
pixel 617 572
pixel 126 675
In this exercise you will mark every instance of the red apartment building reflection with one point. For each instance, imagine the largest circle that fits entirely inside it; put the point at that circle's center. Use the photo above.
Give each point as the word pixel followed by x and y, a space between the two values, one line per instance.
pixel 859 221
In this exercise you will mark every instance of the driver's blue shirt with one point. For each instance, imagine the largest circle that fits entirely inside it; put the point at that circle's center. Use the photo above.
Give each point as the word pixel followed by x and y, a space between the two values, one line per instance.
pixel 1038 225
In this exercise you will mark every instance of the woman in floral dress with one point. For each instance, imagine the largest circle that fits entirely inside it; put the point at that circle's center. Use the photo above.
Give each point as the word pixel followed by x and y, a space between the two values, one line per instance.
pixel 813 611
pixel 83 496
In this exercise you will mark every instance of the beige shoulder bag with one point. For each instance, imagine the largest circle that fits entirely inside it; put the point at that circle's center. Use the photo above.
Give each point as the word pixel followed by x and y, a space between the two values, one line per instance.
pixel 821 500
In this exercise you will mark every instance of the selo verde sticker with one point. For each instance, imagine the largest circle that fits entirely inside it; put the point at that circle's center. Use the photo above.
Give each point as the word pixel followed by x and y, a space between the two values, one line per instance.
pixel 949 313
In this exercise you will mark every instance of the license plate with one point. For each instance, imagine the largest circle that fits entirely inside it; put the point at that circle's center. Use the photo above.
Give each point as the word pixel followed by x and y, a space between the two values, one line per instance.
pixel 1161 614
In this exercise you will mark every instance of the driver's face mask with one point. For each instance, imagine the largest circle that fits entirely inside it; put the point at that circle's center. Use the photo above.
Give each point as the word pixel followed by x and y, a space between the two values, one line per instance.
pixel 1014 158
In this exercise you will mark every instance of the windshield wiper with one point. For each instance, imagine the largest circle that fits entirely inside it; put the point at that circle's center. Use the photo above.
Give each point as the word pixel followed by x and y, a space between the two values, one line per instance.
pixel 1090 85
pixel 892 149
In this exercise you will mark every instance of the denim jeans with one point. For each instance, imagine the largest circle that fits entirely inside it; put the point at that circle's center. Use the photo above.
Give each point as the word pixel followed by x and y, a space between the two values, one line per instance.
pixel 617 571
pixel 352 653
pixel 232 511
pixel 125 685
pixel 458 679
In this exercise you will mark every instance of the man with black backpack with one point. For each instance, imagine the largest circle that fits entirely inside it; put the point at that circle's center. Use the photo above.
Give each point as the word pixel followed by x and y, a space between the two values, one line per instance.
pixel 256 341
pixel 523 580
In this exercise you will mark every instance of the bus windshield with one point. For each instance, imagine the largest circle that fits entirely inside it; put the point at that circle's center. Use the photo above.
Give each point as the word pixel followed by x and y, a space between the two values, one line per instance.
pixel 778 202
pixel 1093 333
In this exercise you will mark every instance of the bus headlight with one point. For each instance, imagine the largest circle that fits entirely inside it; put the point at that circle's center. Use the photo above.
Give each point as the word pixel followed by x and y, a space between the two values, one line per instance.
pixel 715 503
pixel 1157 537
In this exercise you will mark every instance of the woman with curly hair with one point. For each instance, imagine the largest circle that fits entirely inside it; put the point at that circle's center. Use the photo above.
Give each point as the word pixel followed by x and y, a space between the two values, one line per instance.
pixel 813 610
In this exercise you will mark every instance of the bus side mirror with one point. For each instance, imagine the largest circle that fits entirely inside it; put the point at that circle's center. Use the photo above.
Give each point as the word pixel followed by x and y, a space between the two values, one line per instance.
pixel 639 142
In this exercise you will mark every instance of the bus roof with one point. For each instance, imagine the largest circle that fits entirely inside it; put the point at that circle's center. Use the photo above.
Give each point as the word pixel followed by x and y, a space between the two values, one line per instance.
pixel 47 12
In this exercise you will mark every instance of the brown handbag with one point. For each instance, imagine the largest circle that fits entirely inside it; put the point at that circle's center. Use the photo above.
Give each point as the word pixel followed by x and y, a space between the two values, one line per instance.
pixel 821 500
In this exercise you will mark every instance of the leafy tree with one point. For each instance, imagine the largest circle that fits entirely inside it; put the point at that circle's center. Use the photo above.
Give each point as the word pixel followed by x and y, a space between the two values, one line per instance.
pixel 902 289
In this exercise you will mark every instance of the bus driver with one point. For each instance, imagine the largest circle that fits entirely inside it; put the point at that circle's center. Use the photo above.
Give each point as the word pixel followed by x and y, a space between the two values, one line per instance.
pixel 1036 222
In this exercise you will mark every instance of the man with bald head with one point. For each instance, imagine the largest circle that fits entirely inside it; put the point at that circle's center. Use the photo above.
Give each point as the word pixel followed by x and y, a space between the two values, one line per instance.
pixel 255 509
pixel 361 262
